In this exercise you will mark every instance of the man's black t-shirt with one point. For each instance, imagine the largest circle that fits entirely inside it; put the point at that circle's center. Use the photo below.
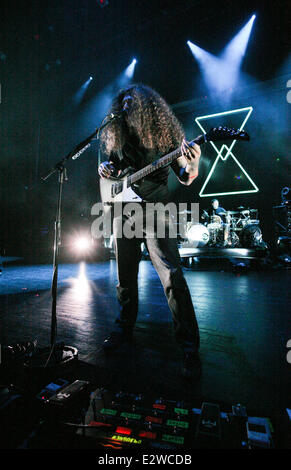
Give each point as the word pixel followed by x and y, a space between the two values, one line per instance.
pixel 152 188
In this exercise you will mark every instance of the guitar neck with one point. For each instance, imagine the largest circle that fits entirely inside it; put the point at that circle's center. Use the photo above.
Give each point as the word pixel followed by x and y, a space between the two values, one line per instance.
pixel 161 162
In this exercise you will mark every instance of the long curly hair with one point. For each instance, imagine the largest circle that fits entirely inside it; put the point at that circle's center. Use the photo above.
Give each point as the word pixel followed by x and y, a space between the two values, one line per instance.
pixel 150 120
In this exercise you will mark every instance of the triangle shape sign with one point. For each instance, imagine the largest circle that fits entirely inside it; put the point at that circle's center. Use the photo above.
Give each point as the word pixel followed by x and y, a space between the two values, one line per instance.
pixel 227 175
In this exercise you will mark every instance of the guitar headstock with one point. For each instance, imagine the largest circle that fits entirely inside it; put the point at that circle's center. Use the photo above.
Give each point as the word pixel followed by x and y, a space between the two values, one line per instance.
pixel 225 133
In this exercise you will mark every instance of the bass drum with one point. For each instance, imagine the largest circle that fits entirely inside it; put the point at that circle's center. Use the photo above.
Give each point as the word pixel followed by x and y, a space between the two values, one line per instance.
pixel 250 236
pixel 198 235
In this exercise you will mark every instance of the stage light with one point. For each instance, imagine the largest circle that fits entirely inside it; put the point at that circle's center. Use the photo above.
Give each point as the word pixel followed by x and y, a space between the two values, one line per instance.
pixel 212 68
pixel 129 71
pixel 235 50
pixel 99 105
pixel 79 95
pixel 220 73
pixel 83 244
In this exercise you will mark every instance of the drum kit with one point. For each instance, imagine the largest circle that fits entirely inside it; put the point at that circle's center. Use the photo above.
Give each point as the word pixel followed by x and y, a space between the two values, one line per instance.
pixel 244 227
pixel 239 229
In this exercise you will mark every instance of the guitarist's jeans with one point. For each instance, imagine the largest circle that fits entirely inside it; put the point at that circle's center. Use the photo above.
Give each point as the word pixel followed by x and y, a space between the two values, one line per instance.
pixel 166 260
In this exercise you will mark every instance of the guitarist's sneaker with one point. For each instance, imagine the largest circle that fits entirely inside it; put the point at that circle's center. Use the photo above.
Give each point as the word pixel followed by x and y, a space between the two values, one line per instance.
pixel 191 368
pixel 116 340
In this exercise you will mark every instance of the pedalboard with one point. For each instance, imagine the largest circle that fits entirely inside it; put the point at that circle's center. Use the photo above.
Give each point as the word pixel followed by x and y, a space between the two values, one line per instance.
pixel 122 419
pixel 104 418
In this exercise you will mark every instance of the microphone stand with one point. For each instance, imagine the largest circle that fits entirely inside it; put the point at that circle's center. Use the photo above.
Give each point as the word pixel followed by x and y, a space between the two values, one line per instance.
pixel 59 355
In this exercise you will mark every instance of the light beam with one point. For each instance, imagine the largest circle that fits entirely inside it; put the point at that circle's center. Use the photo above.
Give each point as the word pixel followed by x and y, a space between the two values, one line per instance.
pixel 221 73
pixel 79 95
pixel 129 71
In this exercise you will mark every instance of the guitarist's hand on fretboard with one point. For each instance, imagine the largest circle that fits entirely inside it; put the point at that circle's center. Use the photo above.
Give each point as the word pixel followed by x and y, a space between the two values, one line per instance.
pixel 186 166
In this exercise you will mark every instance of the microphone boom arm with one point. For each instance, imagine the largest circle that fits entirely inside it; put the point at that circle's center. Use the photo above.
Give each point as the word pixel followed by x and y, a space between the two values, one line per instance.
pixel 81 147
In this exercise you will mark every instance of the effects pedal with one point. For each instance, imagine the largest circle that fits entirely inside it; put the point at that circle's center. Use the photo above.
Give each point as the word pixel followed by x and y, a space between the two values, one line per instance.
pixel 50 390
pixel 209 427
pixel 63 399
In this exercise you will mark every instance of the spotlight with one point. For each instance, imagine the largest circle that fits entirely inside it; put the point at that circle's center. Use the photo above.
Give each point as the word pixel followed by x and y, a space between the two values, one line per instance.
pixel 235 50
pixel 79 95
pixel 100 103
pixel 221 73
pixel 129 71
pixel 83 244
pixel 212 68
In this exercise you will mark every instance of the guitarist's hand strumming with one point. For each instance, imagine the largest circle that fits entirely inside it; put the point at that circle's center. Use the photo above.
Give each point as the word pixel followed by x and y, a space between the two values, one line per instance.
pixel 107 169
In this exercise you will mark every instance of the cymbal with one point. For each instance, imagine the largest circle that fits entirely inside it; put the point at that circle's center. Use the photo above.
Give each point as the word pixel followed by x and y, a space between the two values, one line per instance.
pixel 241 208
pixel 233 212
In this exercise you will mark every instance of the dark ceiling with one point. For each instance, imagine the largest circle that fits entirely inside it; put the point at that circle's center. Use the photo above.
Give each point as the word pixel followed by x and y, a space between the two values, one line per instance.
pixel 90 40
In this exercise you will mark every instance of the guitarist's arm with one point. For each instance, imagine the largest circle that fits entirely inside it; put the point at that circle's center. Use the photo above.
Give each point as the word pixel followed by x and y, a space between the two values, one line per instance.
pixel 186 166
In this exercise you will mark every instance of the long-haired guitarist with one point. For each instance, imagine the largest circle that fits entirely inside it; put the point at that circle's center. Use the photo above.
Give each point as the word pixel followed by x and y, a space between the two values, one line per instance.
pixel 147 130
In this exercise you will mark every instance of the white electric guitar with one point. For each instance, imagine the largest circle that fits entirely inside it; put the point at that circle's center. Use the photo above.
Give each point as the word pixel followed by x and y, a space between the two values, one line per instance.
pixel 121 189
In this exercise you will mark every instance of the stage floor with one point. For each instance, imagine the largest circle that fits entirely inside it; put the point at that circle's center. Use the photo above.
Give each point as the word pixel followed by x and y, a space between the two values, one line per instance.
pixel 244 320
